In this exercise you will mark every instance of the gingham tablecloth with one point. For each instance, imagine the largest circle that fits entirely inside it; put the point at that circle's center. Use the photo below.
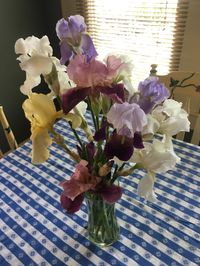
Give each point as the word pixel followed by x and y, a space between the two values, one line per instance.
pixel 35 230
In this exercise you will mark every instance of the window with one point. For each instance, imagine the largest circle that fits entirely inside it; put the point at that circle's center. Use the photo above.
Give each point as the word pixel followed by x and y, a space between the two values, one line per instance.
pixel 149 32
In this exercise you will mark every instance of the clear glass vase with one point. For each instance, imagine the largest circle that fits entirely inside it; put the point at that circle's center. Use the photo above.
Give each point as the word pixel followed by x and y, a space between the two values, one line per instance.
pixel 103 229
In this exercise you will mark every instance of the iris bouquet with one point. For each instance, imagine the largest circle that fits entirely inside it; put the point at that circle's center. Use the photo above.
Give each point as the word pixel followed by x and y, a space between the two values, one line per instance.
pixel 125 120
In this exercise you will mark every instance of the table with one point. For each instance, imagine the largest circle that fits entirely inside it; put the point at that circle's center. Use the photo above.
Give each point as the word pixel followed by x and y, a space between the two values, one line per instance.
pixel 35 230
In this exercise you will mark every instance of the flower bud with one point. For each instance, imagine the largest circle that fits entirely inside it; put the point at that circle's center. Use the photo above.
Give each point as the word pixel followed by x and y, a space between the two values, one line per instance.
pixel 105 169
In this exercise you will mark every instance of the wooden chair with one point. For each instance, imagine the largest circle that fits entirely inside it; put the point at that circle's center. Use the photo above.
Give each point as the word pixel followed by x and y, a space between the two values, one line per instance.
pixel 183 88
pixel 8 132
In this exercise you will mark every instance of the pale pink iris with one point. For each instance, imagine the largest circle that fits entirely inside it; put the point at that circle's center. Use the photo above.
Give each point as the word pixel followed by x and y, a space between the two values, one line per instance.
pixel 87 74
pixel 94 73
pixel 115 65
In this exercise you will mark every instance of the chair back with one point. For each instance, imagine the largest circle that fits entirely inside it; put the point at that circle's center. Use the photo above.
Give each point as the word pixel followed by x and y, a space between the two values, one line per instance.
pixel 183 88
pixel 7 131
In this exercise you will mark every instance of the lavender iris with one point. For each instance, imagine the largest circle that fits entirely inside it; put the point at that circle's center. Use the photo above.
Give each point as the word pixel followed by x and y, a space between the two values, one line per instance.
pixel 151 93
pixel 74 39
pixel 127 118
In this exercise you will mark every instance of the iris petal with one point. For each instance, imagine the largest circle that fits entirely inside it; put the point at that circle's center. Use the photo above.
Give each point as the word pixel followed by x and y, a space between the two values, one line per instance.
pixel 74 39
pixel 65 52
pixel 101 133
pixel 115 92
pixel 119 146
pixel 151 93
pixel 71 206
pixel 111 193
pixel 72 97
pixel 137 141
pixel 88 47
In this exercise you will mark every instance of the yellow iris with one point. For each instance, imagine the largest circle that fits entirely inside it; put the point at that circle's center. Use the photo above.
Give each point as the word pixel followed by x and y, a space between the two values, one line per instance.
pixel 41 112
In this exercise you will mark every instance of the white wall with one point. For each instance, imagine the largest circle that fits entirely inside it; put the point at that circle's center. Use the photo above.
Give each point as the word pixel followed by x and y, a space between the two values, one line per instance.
pixel 190 57
pixel 68 7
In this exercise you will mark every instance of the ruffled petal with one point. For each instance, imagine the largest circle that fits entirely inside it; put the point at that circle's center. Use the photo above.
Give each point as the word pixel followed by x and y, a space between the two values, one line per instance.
pixel 119 146
pixel 20 46
pixel 127 118
pixel 72 188
pixel 40 143
pixel 29 84
pixel 146 186
pixel 88 47
pixel 151 93
pixel 86 74
pixel 72 97
pixel 37 65
pixel 65 52
pixel 40 110
pixel 111 194
pixel 156 157
pixel 62 29
pixel 137 141
pixel 74 39
pixel 115 92
pixel 78 23
pixel 172 118
pixel 152 126
pixel 71 206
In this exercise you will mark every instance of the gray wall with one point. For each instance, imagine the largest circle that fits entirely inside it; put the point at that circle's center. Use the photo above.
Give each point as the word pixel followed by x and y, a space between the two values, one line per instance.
pixel 21 18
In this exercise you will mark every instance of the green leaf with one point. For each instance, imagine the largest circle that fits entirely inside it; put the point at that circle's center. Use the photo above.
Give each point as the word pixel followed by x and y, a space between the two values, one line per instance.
pixel 173 82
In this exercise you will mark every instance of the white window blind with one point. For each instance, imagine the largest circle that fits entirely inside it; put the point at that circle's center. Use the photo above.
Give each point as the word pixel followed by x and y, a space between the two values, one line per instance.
pixel 148 31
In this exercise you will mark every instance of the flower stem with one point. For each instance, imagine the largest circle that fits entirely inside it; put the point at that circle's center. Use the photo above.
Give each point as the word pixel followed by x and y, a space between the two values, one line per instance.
pixel 76 135
pixel 97 122
pixel 59 140
pixel 115 175
pixel 125 172
pixel 102 223
pixel 92 113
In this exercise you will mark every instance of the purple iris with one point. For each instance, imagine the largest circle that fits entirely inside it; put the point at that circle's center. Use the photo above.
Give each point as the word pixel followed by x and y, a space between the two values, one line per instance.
pixel 101 133
pixel 114 91
pixel 111 193
pixel 74 39
pixel 71 206
pixel 72 97
pixel 122 147
pixel 151 93
pixel 119 146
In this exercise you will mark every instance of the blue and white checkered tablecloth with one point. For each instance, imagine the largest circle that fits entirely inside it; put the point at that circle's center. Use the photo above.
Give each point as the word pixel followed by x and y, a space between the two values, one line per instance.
pixel 35 230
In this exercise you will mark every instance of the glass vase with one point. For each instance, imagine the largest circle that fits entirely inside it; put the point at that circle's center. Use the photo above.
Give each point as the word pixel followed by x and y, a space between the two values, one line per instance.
pixel 103 229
